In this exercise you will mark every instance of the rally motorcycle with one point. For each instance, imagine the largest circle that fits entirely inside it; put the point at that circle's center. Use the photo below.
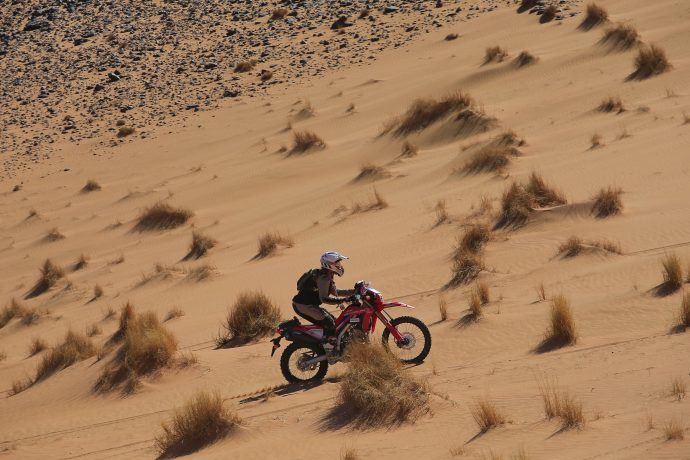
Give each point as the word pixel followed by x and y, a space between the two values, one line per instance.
pixel 306 360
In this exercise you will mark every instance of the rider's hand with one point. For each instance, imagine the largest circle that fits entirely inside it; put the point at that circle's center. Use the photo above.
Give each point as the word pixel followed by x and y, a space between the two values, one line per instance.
pixel 355 300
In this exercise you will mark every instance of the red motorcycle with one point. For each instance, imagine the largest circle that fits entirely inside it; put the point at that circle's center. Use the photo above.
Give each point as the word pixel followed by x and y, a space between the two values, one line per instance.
pixel 306 360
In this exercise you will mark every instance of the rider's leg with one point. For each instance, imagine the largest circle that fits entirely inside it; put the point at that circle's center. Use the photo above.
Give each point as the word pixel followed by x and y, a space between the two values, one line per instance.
pixel 316 315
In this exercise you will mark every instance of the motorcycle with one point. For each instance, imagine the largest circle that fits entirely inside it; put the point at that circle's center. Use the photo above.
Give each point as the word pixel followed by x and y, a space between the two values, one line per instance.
pixel 306 360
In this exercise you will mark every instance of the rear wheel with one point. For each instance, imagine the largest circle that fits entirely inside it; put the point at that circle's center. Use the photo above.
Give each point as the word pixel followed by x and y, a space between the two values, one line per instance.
pixel 416 340
pixel 292 363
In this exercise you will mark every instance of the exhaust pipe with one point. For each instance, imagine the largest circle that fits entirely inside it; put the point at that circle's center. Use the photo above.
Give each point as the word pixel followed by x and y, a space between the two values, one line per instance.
pixel 318 359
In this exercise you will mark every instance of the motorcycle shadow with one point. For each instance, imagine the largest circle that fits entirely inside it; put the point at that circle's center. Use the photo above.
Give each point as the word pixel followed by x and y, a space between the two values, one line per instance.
pixel 286 390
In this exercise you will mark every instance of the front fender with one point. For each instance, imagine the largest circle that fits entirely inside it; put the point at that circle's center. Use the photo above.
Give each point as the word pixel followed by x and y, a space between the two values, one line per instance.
pixel 397 304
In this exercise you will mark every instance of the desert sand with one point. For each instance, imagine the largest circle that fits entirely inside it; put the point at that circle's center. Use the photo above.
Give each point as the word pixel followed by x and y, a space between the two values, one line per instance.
pixel 230 164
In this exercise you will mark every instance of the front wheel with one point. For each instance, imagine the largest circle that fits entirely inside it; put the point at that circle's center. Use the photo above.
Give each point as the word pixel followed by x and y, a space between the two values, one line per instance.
pixel 416 340
pixel 292 363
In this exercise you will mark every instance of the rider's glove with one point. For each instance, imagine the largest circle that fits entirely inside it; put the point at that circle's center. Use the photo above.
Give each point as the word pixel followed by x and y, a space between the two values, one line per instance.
pixel 354 300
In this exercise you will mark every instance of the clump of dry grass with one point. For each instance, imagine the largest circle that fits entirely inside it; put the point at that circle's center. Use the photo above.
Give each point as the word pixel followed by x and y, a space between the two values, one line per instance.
pixel 572 247
pixel 125 131
pixel 561 404
pixel 200 422
pixel 611 104
pixel 487 416
pixel 424 112
pixel 441 212
pixel 200 272
pixel 81 262
pixel 516 205
pixel 146 346
pixel 549 14
pixel 3 356
pixel 14 309
pixel 75 347
pixel 370 171
pixel 174 312
pixel 451 36
pixel 621 36
pixel 252 316
pixel 269 242
pixel 607 202
pixel 377 391
pixel 162 216
pixel 473 120
pixel 672 272
pixel 466 266
pixel 490 158
pixel 608 246
pixel 94 329
pixel 443 308
pixel 19 385
pixel 408 149
pixel 684 315
pixel 30 317
pixel 50 274
pixel 596 15
pixel 349 454
pixel 200 245
pixel 97 291
pixel 543 193
pixel 678 388
pixel 495 54
pixel 541 292
pixel 650 60
pixel 127 315
pixel 595 141
pixel 245 66
pixel 562 330
pixel 91 186
pixel 475 307
pixel 306 140
pixel 482 290
pixel 373 204
pixel 525 58
pixel 674 430
pixel 474 238
pixel 109 313
pixel 54 235
pixel 37 346
pixel 279 13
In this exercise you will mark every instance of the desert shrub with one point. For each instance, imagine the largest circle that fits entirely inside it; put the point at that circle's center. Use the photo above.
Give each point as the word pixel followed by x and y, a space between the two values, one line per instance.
pixel 473 120
pixel 466 266
pixel 486 415
pixel 621 36
pixel 162 216
pixel 125 131
pixel 18 386
pixel 549 13
pixel 543 193
pixel 265 75
pixel 306 140
pixel 650 60
pixel 252 316
pixel 91 186
pixel 201 421
pixel 674 430
pixel 14 309
pixel 678 388
pixel 54 235
pixel 516 206
pixel 672 272
pixel 408 149
pixel 370 171
pixel 562 330
pixel 200 245
pixel 611 104
pixel 482 290
pixel 50 274
pixel 127 315
pixel 81 262
pixel 475 307
pixel 424 112
pixel 494 54
pixel 441 212
pixel 37 346
pixel 474 238
pixel 490 158
pixel 245 66
pixel 443 308
pixel 607 202
pixel 684 316
pixel 279 13
pixel 451 37
pixel 377 391
pixel 109 313
pixel 269 242
pixel 558 403
pixel 572 247
pixel 508 137
pixel 595 16
pixel 30 316
pixel 75 347
pixel 525 58
pixel 94 329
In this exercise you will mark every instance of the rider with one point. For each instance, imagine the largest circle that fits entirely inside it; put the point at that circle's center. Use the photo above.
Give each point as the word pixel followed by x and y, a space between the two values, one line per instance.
pixel 316 287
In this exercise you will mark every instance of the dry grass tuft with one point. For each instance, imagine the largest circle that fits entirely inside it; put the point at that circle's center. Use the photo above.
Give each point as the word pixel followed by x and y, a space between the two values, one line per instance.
pixel 91 186
pixel 375 203
pixel 18 386
pixel 81 262
pixel 408 149
pixel 443 308
pixel 3 356
pixel 650 60
pixel 525 58
pixel 30 317
pixel 475 307
pixel 127 315
pixel 203 420
pixel 200 245
pixel 572 247
pixel 684 315
pixel 269 243
pixel 482 290
pixel 487 416
pixel 543 193
pixel 109 313
pixel 349 454
pixel 50 274
pixel 245 66
pixel 474 238
pixel 253 315
pixel 621 37
pixel 377 391
pixel 495 54
pixel 162 216
pixel 200 272
pixel 451 37
pixel 305 141
pixel 561 404
pixel 37 346
pixel 674 430
pixel 94 329
pixel 125 131
pixel 541 292
pixel 54 235
pixel 490 158
pixel 549 14
pixel 279 13
pixel 611 104
pixel 516 205
pixel 466 266
pixel 370 171
pixel 607 202
pixel 595 141
pixel 562 330
pixel 441 212
pixel 678 388
pixel 146 347
pixel 424 112
pixel 596 15
pixel 672 272
pixel 14 309
pixel 608 246
pixel 75 347
pixel 97 291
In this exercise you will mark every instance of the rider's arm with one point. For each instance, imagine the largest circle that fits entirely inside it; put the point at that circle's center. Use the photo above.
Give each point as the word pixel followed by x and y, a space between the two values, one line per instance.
pixel 345 292
pixel 323 282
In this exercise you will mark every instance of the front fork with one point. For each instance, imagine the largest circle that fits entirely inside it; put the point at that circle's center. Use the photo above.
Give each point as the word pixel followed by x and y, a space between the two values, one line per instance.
pixel 386 319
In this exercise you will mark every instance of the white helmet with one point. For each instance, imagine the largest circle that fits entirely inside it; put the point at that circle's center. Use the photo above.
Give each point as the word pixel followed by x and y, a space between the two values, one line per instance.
pixel 331 261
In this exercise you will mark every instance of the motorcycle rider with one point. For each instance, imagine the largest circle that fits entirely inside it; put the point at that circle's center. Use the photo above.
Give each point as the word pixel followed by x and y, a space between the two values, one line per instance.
pixel 316 287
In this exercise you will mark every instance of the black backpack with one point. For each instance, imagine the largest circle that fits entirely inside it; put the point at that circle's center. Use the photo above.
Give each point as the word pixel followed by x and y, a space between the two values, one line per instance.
pixel 307 282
